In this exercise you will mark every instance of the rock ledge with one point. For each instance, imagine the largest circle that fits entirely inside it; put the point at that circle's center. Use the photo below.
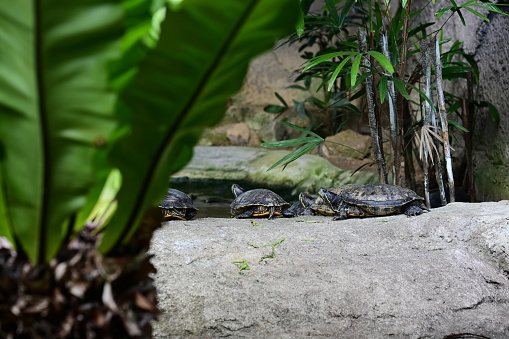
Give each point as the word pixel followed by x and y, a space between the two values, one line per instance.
pixel 440 274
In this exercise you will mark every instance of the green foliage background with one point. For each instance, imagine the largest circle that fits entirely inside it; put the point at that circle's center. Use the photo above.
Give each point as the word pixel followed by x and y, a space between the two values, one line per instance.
pixel 86 87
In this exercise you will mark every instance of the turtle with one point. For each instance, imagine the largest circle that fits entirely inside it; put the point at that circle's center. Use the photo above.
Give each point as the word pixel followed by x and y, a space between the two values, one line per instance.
pixel 373 200
pixel 258 202
pixel 296 209
pixel 309 205
pixel 319 206
pixel 177 205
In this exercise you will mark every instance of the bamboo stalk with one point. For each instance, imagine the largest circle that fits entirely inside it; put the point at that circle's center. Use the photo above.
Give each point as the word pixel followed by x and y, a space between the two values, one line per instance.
pixel 436 155
pixel 391 92
pixel 400 74
pixel 427 119
pixel 443 121
pixel 425 170
pixel 408 149
pixel 375 137
pixel 467 111
pixel 439 176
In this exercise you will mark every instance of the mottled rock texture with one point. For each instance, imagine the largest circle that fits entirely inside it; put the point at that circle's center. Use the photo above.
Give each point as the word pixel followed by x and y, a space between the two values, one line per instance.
pixel 440 274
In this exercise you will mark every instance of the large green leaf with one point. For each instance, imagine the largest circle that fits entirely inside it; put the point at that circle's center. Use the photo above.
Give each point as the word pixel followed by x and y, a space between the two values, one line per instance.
pixel 137 21
pixel 56 113
pixel 181 88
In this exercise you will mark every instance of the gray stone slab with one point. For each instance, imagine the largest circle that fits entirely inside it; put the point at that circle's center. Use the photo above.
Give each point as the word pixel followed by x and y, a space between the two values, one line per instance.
pixel 438 274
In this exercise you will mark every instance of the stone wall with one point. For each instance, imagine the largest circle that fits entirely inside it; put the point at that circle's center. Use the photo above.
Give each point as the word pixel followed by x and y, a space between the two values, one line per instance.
pixel 486 42
pixel 274 71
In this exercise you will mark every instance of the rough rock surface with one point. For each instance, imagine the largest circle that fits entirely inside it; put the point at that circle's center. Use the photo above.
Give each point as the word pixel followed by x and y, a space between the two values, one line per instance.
pixel 235 163
pixel 240 135
pixel 437 275
pixel 347 144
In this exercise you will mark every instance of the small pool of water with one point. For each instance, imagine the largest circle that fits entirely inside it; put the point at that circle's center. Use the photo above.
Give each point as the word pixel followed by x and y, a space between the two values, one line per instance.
pixel 212 197
pixel 215 209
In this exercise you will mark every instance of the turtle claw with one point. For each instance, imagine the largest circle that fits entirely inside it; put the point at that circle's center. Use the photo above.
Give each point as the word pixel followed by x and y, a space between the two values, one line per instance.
pixel 339 217
pixel 413 210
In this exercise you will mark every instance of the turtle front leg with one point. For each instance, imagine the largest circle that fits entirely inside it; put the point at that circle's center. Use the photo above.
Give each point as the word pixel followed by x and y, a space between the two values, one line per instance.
pixel 341 213
pixel 413 209
pixel 271 212
pixel 245 214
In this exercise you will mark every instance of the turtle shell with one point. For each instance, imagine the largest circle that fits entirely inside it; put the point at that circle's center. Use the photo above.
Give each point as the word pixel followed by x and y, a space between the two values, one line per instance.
pixel 321 207
pixel 177 205
pixel 258 202
pixel 381 199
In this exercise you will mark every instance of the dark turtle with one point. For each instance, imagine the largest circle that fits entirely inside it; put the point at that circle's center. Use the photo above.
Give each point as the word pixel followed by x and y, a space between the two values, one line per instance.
pixel 177 205
pixel 296 209
pixel 257 203
pixel 319 206
pixel 373 200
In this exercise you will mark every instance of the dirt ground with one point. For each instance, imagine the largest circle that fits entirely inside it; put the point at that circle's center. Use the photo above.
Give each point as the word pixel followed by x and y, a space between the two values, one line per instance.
pixel 443 274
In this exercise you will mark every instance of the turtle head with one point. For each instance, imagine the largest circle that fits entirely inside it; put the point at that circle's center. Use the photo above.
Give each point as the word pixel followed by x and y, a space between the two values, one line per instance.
pixel 332 199
pixel 237 190
pixel 305 199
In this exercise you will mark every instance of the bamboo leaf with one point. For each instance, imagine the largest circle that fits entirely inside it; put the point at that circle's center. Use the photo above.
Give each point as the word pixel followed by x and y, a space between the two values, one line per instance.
pixel 336 72
pixel 382 60
pixel 333 13
pixel 455 124
pixel 461 17
pixel 490 7
pixel 319 59
pixel 292 156
pixel 182 87
pixel 280 98
pixel 476 13
pixel 443 10
pixel 289 143
pixel 495 116
pixel 297 87
pixel 420 28
pixel 301 109
pixel 344 11
pixel 355 69
pixel 274 109
pixel 382 85
pixel 300 26
pixel 493 111
pixel 400 87
pixel 301 129
pixel 423 96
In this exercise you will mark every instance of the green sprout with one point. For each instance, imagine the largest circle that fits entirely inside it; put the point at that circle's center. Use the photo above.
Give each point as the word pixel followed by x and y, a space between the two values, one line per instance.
pixel 273 253
pixel 242 265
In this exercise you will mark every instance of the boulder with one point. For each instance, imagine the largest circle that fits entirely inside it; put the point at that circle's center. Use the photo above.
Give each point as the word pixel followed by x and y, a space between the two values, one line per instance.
pixel 347 144
pixel 249 164
pixel 235 134
pixel 443 274
pixel 241 135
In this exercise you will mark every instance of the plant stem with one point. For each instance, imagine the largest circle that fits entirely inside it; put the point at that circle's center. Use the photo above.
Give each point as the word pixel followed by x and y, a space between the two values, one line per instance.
pixel 427 120
pixel 408 149
pixel 382 172
pixel 391 98
pixel 443 121
pixel 400 100
pixel 468 110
